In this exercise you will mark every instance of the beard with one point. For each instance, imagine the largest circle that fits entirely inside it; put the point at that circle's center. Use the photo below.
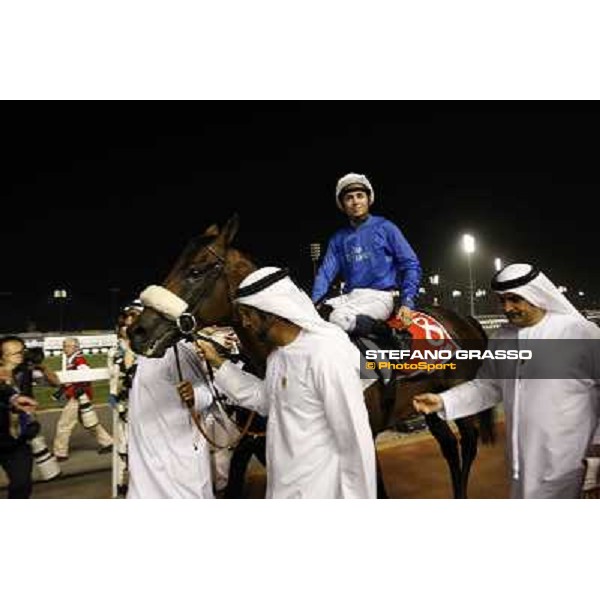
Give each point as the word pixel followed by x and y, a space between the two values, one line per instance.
pixel 512 315
pixel 262 334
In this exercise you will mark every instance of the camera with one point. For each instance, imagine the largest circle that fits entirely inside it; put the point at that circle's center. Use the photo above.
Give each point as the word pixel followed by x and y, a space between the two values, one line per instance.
pixel 59 394
pixel 34 357
pixel 30 428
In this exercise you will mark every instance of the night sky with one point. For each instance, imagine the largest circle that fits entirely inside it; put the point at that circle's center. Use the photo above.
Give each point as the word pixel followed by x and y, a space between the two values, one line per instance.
pixel 101 196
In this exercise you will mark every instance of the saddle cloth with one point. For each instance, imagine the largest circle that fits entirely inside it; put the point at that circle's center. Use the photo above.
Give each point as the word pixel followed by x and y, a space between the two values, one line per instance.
pixel 426 332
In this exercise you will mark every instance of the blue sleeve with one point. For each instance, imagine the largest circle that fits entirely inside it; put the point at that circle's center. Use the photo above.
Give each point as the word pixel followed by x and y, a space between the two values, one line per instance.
pixel 328 270
pixel 408 268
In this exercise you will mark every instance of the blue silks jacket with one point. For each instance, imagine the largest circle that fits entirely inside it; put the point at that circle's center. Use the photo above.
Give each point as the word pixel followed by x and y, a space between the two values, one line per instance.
pixel 374 255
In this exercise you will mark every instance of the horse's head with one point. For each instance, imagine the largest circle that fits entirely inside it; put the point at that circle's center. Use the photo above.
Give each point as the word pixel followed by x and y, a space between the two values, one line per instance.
pixel 200 289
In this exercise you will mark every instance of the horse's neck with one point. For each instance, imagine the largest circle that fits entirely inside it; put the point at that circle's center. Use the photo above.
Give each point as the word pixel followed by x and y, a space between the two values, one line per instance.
pixel 239 267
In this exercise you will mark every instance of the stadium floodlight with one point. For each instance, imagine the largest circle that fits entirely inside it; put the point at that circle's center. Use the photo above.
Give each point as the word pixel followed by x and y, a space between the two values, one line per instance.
pixel 468 242
pixel 60 295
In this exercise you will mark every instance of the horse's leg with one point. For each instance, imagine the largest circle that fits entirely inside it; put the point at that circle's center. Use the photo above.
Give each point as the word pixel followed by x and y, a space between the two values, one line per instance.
pixel 449 447
pixel 237 468
pixel 381 491
pixel 469 436
pixel 260 449
pixel 376 407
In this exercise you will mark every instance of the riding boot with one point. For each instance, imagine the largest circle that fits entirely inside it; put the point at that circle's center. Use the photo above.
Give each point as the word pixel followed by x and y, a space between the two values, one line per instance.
pixel 368 326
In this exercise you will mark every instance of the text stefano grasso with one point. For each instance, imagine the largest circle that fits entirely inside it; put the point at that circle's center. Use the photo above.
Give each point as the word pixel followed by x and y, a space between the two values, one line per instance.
pixel 448 354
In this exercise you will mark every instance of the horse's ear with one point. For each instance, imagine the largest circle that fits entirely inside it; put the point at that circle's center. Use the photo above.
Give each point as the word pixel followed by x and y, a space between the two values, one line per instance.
pixel 212 230
pixel 230 229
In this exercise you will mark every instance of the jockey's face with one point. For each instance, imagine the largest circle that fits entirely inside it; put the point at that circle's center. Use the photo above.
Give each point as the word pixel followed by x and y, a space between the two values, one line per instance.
pixel 518 311
pixel 356 204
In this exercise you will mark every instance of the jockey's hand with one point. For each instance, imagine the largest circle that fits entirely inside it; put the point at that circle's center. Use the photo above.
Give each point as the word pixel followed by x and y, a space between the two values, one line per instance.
pixel 186 392
pixel 405 315
pixel 207 351
pixel 428 403
pixel 24 404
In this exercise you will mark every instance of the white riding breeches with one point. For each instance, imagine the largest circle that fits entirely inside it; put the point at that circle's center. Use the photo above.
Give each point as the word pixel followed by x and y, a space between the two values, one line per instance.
pixel 374 303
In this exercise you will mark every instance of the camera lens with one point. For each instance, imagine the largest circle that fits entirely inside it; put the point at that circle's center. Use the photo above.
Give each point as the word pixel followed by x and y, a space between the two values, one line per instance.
pixel 34 356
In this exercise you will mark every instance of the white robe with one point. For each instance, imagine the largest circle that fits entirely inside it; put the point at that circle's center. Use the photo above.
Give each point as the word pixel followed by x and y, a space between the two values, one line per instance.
pixel 550 423
pixel 319 443
pixel 168 457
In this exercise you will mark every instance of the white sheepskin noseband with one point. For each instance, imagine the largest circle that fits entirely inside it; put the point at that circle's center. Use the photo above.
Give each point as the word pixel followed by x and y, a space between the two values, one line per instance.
pixel 163 301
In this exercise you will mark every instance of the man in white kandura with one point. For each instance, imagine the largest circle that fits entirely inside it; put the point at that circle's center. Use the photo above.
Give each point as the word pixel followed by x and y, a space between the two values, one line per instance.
pixel 168 457
pixel 552 424
pixel 319 443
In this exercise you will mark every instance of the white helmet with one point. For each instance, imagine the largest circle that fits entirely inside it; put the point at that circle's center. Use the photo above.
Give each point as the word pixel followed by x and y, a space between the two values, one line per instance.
pixel 352 180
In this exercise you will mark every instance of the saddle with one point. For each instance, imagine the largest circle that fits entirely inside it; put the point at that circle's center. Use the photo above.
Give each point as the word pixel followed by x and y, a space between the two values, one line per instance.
pixel 424 333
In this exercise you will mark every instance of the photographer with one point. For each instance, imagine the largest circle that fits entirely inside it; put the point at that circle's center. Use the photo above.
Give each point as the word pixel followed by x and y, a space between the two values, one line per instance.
pixel 121 365
pixel 72 392
pixel 17 425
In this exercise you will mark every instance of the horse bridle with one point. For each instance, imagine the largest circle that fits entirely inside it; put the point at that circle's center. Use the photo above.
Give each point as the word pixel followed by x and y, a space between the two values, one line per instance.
pixel 186 324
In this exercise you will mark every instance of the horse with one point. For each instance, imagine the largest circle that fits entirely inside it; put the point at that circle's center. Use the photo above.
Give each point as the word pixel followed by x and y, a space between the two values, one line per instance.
pixel 206 276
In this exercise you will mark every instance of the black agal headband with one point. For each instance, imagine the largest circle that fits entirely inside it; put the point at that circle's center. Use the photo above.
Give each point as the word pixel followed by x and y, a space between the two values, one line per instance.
pixel 502 286
pixel 261 284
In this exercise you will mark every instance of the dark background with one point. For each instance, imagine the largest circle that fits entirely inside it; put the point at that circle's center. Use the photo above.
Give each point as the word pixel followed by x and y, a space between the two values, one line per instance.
pixel 103 196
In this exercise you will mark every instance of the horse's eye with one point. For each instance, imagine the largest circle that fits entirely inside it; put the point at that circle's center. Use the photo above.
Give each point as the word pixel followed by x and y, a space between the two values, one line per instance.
pixel 194 272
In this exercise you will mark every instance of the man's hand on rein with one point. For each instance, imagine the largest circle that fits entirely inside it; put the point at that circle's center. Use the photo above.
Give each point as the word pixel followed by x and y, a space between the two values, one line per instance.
pixel 208 352
pixel 186 393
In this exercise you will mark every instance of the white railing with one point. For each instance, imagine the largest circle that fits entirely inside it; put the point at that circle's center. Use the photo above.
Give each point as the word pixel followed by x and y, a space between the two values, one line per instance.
pixel 98 343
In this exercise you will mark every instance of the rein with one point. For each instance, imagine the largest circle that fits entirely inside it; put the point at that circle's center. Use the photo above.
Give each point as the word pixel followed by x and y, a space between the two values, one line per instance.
pixel 218 399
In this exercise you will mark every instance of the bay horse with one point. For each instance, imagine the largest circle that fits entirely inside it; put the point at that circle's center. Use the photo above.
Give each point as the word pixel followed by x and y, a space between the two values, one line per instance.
pixel 206 276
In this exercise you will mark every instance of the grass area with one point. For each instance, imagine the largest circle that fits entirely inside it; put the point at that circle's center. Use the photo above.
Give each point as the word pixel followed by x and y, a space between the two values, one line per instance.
pixel 43 394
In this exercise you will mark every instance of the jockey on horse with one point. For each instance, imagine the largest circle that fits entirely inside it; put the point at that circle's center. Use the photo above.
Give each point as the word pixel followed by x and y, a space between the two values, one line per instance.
pixel 380 269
